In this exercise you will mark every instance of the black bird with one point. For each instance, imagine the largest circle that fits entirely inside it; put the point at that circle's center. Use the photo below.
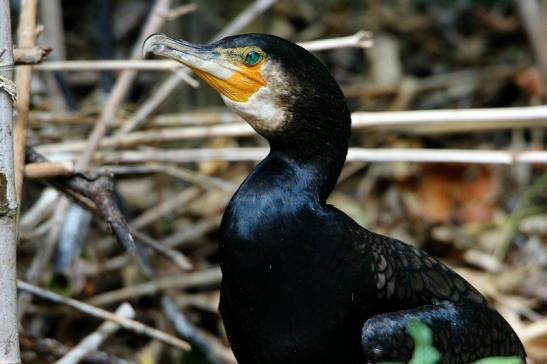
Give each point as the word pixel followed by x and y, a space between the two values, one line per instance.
pixel 303 282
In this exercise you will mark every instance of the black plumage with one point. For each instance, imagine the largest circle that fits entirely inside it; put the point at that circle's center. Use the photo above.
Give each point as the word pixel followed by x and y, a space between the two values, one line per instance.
pixel 304 283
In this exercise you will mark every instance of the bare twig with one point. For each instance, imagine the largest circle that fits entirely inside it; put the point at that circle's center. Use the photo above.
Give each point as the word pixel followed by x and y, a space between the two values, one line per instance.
pixel 9 341
pixel 30 55
pixel 26 37
pixel 88 309
pixel 94 340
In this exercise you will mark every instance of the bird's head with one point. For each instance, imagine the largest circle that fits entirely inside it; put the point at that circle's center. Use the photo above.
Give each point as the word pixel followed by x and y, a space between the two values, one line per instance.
pixel 265 79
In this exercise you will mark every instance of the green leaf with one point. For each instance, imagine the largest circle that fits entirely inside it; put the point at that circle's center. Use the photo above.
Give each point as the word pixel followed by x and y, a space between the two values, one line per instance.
pixel 424 352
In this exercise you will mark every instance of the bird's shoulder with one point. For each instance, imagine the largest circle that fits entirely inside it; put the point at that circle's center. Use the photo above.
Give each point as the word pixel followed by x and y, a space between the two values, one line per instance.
pixel 407 276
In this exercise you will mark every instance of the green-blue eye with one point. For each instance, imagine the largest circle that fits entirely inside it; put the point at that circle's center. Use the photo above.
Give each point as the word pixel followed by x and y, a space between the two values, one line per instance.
pixel 252 58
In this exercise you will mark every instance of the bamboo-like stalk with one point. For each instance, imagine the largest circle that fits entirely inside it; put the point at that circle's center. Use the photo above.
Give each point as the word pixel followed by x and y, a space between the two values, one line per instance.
pixel 26 37
pixel 9 339
pixel 411 121
pixel 354 155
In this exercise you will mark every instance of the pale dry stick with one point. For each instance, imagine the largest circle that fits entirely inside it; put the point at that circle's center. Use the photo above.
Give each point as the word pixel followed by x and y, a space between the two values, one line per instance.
pixel 92 342
pixel 207 277
pixel 361 39
pixel 88 309
pixel 180 11
pixel 122 85
pixel 9 339
pixel 533 20
pixel 164 90
pixel 113 65
pixel 453 119
pixel 423 120
pixel 26 37
pixel 354 154
pixel 46 170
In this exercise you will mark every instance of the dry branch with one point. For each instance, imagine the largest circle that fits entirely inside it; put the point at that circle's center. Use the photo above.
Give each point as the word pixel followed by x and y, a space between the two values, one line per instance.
pixel 88 309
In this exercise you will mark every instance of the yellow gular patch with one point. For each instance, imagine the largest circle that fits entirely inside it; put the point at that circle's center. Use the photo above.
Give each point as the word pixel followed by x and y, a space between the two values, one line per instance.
pixel 238 87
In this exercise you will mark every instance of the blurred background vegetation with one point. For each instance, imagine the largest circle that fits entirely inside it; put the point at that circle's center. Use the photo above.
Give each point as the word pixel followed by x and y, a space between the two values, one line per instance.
pixel 487 221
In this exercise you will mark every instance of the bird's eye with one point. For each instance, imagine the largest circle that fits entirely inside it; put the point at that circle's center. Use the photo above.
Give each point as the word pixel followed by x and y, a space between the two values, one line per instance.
pixel 252 58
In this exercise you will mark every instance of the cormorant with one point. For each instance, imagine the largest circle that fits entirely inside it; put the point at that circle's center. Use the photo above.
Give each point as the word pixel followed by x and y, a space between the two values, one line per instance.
pixel 303 282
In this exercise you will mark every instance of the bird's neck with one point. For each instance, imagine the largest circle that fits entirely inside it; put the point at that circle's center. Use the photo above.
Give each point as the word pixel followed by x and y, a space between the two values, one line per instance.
pixel 316 158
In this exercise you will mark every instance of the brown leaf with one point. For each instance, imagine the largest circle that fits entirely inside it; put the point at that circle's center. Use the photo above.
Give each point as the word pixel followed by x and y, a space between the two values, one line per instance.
pixel 530 80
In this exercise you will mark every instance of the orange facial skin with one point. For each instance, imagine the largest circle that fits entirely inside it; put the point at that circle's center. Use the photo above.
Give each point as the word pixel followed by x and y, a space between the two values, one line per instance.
pixel 240 86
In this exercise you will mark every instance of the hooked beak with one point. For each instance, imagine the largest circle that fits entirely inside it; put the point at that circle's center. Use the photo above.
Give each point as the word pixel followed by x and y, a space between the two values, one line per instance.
pixel 207 62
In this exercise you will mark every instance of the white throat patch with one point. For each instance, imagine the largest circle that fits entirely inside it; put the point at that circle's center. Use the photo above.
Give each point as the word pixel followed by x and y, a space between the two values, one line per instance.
pixel 265 110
